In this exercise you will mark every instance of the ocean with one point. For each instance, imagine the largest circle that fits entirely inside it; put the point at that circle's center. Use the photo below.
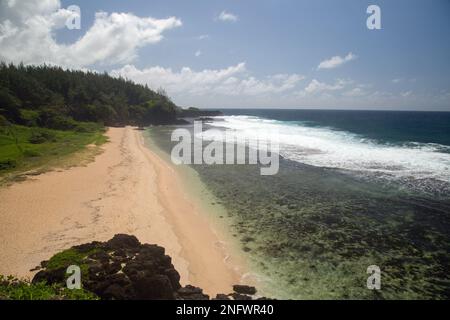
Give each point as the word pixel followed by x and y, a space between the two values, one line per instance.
pixel 354 189
pixel 407 146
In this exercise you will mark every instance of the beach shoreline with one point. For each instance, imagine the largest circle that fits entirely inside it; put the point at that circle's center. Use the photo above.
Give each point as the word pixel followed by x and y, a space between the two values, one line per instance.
pixel 127 189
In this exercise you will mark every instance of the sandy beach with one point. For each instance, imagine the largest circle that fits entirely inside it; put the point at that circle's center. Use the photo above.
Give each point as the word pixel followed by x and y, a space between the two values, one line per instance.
pixel 127 189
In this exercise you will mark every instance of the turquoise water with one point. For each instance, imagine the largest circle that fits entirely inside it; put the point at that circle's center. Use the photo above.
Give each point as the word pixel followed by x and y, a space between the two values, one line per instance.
pixel 343 199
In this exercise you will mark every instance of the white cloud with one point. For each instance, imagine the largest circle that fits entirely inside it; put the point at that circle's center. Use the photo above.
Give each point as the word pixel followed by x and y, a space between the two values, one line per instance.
pixel 315 86
pixel 203 37
pixel 198 53
pixel 27 35
pixel 227 16
pixel 355 92
pixel 233 81
pixel 336 61
pixel 406 94
pixel 398 80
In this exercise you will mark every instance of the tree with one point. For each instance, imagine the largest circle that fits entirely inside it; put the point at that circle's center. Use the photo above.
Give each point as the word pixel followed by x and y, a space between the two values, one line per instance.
pixel 9 129
pixel 9 106
pixel 70 95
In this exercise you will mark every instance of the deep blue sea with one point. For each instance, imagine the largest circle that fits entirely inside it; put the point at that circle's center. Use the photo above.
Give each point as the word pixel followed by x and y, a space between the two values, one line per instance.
pixel 383 126
pixel 407 146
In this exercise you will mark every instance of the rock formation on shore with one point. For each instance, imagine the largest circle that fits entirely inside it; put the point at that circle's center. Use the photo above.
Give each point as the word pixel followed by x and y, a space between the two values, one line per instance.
pixel 123 268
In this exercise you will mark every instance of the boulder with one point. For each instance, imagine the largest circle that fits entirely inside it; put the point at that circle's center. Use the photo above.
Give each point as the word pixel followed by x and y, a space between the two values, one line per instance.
pixel 244 289
pixel 123 241
pixel 124 269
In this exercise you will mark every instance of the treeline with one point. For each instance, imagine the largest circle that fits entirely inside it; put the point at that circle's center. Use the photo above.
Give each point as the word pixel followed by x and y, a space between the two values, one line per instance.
pixel 195 113
pixel 56 98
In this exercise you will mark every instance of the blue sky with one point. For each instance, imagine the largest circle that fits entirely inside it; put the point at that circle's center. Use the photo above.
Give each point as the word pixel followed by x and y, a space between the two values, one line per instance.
pixel 265 53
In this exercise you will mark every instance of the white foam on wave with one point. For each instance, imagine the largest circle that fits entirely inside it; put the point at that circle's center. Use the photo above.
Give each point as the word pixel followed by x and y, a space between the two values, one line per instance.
pixel 327 147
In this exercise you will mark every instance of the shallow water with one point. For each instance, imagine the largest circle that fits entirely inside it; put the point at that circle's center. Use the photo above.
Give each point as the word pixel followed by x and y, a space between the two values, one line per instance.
pixel 311 232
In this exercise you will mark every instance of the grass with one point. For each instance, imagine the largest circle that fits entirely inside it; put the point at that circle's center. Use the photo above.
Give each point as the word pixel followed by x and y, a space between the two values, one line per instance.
pixel 69 257
pixel 65 258
pixel 14 289
pixel 23 149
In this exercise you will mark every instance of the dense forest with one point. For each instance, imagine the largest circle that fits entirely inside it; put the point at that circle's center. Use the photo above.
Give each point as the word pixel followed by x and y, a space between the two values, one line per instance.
pixel 51 97
pixel 47 112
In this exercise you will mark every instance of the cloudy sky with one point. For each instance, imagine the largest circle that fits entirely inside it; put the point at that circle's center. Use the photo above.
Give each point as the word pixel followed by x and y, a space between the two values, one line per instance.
pixel 252 53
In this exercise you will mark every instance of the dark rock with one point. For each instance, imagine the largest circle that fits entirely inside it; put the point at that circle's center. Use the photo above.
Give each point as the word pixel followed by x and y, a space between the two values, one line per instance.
pixel 244 289
pixel 114 292
pixel 101 256
pixel 181 121
pixel 174 278
pixel 196 296
pixel 238 296
pixel 86 247
pixel 135 264
pixel 157 287
pixel 152 249
pixel 195 113
pixel 112 268
pixel 95 268
pixel 99 287
pixel 120 253
pixel 149 266
pixel 166 260
pixel 53 276
pixel 123 268
pixel 118 278
pixel 123 241
pixel 191 293
pixel 130 269
pixel 190 290
pixel 205 119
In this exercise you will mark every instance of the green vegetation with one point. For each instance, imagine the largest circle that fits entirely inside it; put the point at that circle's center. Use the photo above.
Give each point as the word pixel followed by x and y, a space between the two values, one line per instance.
pixel 15 289
pixel 23 148
pixel 47 112
pixel 65 258
pixel 68 257
pixel 55 98
pixel 192 112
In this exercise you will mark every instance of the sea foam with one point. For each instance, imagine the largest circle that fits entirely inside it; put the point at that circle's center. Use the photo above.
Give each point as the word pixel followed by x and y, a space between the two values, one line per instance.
pixel 332 148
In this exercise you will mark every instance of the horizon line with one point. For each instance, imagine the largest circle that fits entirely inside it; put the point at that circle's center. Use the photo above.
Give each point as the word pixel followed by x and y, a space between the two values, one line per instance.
pixel 317 109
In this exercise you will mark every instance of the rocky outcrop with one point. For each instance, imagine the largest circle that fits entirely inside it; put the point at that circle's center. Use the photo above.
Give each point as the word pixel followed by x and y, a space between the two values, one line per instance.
pixel 244 289
pixel 195 113
pixel 123 268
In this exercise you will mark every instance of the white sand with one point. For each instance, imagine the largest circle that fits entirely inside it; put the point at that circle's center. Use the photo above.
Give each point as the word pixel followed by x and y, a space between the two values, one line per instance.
pixel 127 189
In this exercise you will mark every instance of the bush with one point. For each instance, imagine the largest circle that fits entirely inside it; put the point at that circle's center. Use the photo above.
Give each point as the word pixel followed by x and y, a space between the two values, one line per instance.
pixel 9 105
pixel 12 288
pixel 84 127
pixel 29 117
pixel 38 137
pixel 7 164
pixel 62 123
pixel 31 153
